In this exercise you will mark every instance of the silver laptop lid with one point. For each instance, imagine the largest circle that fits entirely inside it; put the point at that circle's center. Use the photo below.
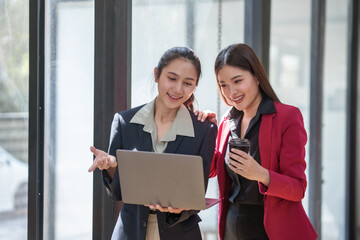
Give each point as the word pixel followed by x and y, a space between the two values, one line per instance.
pixel 149 178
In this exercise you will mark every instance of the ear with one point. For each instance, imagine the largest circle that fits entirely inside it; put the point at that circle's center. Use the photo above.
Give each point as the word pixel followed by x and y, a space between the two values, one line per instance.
pixel 156 74
pixel 257 81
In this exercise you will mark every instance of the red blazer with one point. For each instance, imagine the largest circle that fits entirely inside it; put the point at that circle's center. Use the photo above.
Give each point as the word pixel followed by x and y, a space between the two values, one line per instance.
pixel 282 139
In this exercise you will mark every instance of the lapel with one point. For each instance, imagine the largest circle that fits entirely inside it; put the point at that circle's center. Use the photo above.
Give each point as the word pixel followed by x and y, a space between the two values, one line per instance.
pixel 265 139
pixel 225 132
pixel 173 145
pixel 144 140
pixel 225 137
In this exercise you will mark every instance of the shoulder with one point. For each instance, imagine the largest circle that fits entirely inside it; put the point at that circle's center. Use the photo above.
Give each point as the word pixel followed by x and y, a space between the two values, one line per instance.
pixel 201 126
pixel 287 111
pixel 127 115
pixel 224 119
pixel 287 115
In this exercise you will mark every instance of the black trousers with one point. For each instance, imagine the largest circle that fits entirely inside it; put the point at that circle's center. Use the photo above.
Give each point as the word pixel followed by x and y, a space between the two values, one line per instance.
pixel 245 222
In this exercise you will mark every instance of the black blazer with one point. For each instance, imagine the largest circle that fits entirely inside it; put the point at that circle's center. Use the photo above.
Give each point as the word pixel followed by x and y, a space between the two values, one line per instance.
pixel 132 221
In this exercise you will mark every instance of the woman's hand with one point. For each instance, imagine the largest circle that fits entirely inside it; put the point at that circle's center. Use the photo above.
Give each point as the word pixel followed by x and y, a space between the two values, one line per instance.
pixel 103 161
pixel 207 114
pixel 166 209
pixel 246 166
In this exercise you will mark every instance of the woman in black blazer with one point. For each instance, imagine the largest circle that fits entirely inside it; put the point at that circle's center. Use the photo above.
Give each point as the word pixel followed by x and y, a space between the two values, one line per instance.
pixel 166 124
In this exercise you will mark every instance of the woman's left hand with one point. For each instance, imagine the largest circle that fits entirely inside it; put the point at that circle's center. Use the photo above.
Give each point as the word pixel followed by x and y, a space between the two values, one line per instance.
pixel 246 166
pixel 166 209
pixel 206 114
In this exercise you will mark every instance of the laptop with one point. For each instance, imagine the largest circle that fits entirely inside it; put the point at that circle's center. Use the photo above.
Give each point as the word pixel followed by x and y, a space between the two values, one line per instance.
pixel 149 178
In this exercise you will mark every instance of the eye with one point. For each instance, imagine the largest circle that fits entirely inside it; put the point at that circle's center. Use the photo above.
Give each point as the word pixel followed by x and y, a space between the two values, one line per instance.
pixel 188 84
pixel 172 78
pixel 238 80
pixel 222 85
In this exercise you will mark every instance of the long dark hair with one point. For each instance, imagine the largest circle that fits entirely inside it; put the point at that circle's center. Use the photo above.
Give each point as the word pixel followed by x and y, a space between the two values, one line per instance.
pixel 182 53
pixel 242 56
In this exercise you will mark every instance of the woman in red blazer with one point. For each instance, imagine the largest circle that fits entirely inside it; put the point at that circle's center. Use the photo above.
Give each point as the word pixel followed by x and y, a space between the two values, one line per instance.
pixel 261 191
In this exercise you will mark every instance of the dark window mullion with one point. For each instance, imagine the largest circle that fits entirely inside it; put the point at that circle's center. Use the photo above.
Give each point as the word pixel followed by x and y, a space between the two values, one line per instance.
pixel 257 29
pixel 111 92
pixel 316 111
pixel 351 219
pixel 36 119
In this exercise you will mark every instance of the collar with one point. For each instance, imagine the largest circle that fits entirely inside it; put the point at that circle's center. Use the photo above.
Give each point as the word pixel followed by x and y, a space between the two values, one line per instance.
pixel 182 124
pixel 266 106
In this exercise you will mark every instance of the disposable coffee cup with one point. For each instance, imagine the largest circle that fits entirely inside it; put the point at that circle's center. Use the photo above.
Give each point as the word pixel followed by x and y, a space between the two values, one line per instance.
pixel 240 143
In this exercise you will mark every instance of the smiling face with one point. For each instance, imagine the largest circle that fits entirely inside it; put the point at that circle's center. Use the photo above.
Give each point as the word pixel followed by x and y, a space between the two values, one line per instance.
pixel 176 83
pixel 240 88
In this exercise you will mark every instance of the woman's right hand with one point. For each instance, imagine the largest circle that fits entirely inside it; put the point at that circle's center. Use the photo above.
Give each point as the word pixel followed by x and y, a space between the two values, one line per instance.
pixel 103 161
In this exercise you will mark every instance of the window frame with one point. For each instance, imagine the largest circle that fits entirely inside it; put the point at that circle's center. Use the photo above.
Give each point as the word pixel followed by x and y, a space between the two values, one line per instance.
pixel 112 79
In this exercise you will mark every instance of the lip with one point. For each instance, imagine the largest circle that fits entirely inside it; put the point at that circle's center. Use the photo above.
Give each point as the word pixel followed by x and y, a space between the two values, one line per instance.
pixel 238 99
pixel 174 98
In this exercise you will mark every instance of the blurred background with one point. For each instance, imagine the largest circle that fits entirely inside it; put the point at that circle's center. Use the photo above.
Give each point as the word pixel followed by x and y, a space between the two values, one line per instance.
pixel 69 98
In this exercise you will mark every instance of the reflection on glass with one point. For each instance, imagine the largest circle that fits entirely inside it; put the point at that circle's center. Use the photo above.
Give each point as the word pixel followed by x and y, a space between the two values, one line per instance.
pixel 159 25
pixel 14 74
pixel 289 73
pixel 290 58
pixel 69 65
pixel 334 115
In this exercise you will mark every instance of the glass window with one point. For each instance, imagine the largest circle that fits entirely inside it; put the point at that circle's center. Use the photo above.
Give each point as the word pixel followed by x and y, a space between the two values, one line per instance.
pixel 14 87
pixel 289 74
pixel 290 57
pixel 334 118
pixel 200 32
pixel 158 25
pixel 69 74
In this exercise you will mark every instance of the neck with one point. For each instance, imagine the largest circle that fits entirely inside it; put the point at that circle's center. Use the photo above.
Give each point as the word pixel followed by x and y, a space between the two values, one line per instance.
pixel 250 112
pixel 164 114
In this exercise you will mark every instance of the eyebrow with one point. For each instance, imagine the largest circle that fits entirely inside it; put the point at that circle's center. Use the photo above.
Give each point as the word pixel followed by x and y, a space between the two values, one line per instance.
pixel 240 75
pixel 188 78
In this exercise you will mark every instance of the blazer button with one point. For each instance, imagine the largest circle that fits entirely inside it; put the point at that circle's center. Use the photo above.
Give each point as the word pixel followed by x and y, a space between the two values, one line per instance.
pixel 144 224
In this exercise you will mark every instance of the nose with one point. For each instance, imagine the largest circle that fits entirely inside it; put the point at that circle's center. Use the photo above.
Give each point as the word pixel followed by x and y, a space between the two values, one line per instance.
pixel 233 90
pixel 178 87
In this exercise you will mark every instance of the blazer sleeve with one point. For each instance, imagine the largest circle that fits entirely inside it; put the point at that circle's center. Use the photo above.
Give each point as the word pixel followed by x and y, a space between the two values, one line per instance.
pixel 217 155
pixel 113 185
pixel 289 182
pixel 207 153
